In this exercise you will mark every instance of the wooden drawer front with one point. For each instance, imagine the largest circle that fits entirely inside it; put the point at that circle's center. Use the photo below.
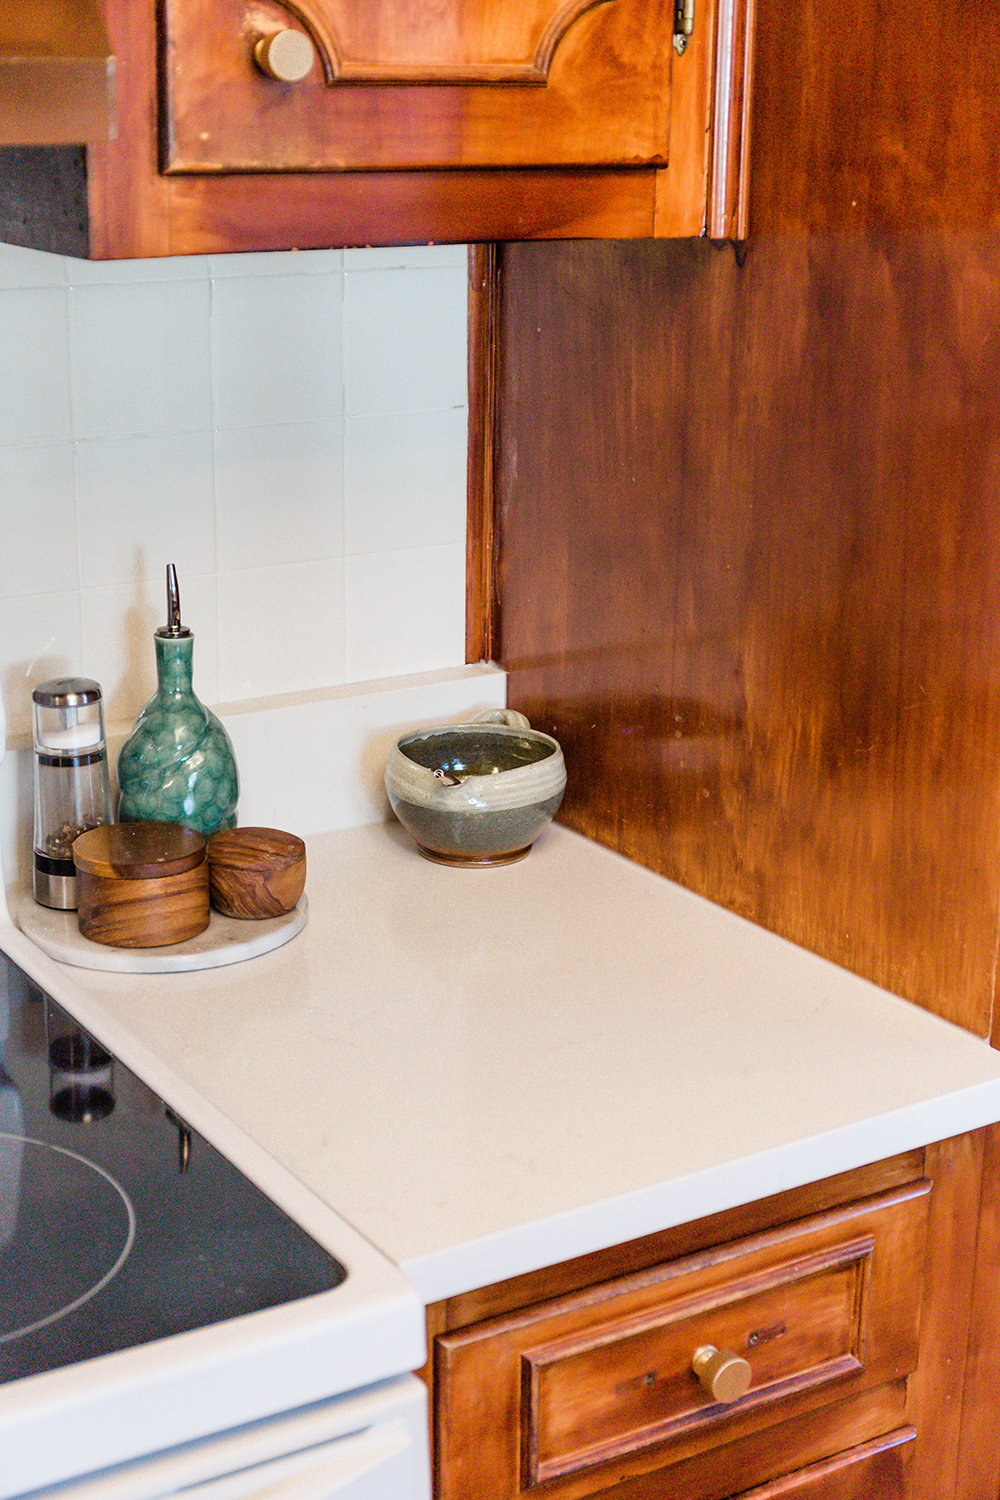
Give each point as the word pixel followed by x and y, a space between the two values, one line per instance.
pixel 873 1471
pixel 822 1308
pixel 799 1325
pixel 461 83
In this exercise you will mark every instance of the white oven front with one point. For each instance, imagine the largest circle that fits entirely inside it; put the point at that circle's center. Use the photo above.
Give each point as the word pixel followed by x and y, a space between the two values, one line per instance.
pixel 170 1323
pixel 367 1445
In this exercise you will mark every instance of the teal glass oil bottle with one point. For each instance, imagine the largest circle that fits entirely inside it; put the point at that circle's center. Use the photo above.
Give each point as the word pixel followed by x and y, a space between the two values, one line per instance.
pixel 177 765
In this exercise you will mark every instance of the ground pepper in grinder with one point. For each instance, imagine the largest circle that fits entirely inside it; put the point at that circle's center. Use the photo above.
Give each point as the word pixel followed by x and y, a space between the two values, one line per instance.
pixel 177 765
pixel 72 792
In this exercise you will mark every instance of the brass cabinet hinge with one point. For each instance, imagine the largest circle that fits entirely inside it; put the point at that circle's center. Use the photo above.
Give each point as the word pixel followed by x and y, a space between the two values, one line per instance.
pixel 683 24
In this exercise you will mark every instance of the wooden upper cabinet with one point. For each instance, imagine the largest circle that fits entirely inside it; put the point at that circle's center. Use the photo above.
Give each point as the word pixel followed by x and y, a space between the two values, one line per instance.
pixel 253 125
pixel 462 83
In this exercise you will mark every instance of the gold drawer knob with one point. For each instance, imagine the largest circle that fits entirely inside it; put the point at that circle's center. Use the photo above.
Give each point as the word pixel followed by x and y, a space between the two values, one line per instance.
pixel 285 55
pixel 724 1375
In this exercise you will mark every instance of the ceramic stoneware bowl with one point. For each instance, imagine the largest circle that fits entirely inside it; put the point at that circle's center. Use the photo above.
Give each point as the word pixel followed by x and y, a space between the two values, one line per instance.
pixel 476 794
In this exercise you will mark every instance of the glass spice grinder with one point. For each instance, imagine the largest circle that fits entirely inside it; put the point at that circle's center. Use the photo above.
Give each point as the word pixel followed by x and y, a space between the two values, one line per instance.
pixel 72 791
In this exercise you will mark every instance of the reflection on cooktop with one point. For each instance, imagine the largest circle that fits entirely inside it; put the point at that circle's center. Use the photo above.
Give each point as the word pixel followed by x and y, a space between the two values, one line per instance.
pixel 119 1224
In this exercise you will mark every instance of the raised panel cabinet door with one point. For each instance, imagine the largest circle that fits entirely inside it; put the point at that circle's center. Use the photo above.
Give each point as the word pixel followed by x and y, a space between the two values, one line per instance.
pixel 327 85
pixel 875 1470
pixel 872 1471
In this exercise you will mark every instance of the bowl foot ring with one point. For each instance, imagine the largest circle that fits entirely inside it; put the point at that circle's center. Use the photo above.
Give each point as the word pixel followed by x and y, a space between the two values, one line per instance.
pixel 474 861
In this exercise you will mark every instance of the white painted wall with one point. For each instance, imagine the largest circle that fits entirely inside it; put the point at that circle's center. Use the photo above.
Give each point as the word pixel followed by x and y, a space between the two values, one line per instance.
pixel 289 429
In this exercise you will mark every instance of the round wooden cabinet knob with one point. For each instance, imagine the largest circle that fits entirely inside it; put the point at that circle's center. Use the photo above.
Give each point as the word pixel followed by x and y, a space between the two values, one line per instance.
pixel 724 1375
pixel 285 55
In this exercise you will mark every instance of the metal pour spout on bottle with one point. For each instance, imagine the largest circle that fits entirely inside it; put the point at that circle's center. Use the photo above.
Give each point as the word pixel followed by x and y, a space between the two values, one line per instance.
pixel 173 627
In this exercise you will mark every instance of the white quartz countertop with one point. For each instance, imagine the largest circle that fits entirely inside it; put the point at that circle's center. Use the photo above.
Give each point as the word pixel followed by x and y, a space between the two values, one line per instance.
pixel 487 1071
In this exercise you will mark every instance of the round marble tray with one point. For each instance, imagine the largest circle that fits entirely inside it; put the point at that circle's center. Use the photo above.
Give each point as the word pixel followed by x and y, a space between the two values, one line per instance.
pixel 226 940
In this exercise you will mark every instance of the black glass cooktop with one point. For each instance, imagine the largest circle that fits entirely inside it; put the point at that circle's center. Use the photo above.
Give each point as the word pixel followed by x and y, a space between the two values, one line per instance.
pixel 119 1224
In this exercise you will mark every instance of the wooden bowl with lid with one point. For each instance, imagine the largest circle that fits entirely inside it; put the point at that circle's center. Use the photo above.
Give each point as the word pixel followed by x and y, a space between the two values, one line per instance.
pixel 256 873
pixel 141 885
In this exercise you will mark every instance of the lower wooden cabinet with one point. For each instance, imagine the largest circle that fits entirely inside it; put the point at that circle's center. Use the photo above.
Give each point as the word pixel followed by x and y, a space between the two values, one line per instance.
pixel 872 1471
pixel 829 1326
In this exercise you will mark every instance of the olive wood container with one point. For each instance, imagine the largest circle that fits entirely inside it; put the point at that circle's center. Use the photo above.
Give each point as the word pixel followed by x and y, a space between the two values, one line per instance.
pixel 141 885
pixel 256 872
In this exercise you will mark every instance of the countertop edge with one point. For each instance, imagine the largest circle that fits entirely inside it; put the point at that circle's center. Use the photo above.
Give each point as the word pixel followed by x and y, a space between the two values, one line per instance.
pixel 464 1268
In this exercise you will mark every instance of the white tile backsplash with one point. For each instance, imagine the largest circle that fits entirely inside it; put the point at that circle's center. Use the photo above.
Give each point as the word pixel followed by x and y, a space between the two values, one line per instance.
pixel 41 638
pixel 39 553
pixel 21 268
pixel 405 480
pixel 206 398
pixel 281 630
pixel 404 257
pixel 34 369
pixel 124 272
pixel 402 330
pixel 295 471
pixel 143 499
pixel 277 263
pixel 139 358
pixel 276 348
pixel 405 610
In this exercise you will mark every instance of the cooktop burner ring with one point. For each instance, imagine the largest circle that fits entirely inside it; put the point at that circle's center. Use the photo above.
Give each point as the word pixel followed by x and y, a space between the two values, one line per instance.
pixel 20 1149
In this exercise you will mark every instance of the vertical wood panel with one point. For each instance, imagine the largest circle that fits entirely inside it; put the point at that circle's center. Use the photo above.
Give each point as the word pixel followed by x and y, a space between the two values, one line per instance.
pixel 937 1389
pixel 749 573
pixel 480 569
pixel 979 1454
pixel 876 115
pixel 748 515
pixel 129 203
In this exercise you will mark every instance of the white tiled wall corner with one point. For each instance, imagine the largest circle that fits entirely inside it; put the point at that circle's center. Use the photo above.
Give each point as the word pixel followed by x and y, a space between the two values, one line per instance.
pixel 288 428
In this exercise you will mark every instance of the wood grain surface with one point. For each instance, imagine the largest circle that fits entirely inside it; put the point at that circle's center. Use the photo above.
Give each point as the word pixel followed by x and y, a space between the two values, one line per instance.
pixel 946 1393
pixel 138 850
pixel 880 1468
pixel 978 1451
pixel 748 551
pixel 748 567
pixel 116 202
pixel 149 913
pixel 480 570
pixel 592 1393
pixel 256 872
pixel 537 83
